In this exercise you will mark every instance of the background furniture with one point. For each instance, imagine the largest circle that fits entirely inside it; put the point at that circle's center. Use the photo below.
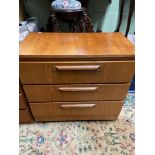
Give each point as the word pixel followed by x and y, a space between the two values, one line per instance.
pixel 131 9
pixel 25 115
pixel 78 20
pixel 76 76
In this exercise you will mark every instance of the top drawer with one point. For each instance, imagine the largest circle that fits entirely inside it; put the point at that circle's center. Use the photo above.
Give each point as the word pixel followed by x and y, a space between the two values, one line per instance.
pixel 76 72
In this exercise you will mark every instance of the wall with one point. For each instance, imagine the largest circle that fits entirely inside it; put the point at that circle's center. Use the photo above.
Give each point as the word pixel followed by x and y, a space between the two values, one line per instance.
pixel 103 14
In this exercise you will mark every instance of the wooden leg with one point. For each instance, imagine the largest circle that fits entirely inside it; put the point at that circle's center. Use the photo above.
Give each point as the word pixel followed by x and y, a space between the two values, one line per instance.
pixel 70 26
pixel 132 6
pixel 98 30
pixel 87 22
pixel 75 25
pixel 82 25
pixel 120 16
pixel 110 1
pixel 53 24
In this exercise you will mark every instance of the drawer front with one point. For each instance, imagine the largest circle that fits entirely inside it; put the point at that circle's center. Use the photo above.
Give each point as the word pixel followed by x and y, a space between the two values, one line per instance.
pixel 85 92
pixel 22 102
pixel 64 111
pixel 76 72
pixel 25 116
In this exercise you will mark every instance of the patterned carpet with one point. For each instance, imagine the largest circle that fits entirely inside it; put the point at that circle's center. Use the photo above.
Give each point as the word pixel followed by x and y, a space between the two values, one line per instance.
pixel 81 138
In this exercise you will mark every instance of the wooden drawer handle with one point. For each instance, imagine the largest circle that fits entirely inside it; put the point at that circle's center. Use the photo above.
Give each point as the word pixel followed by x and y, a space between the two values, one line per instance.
pixel 75 89
pixel 65 106
pixel 78 68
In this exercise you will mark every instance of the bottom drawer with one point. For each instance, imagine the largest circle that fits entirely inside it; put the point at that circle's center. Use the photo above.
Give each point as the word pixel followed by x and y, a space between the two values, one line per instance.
pixel 25 116
pixel 65 111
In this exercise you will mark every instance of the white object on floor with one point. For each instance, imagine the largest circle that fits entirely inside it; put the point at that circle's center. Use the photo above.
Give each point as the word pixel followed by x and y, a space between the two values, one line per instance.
pixel 23 32
pixel 30 25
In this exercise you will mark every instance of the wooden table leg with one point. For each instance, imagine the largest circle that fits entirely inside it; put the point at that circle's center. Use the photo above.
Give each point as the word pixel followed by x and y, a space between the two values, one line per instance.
pixel 53 24
pixel 120 16
pixel 87 22
pixel 131 9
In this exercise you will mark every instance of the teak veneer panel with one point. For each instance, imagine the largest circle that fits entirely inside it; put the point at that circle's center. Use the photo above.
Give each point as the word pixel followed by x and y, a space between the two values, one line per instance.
pixel 76 45
pixel 22 102
pixel 25 116
pixel 85 92
pixel 46 72
pixel 53 111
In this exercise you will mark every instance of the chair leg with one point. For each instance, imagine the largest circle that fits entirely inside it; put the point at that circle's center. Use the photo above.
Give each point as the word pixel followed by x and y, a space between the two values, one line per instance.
pixel 132 6
pixel 53 24
pixel 87 22
pixel 120 16
pixel 82 25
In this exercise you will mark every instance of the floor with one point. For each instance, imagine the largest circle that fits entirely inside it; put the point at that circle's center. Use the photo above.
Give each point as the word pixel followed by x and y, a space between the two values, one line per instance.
pixel 82 137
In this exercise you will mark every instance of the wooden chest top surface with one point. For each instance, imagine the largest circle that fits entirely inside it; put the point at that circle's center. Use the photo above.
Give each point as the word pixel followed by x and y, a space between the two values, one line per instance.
pixel 76 45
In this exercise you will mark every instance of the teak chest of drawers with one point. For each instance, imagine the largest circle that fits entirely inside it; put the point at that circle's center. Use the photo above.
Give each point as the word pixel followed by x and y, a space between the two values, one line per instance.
pixel 76 76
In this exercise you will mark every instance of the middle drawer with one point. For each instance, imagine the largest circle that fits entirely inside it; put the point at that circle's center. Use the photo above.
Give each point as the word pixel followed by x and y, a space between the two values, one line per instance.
pixel 78 92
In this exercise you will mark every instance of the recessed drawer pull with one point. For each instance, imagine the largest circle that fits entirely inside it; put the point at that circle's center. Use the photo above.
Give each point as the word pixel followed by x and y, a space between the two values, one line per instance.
pixel 65 106
pixel 78 68
pixel 75 89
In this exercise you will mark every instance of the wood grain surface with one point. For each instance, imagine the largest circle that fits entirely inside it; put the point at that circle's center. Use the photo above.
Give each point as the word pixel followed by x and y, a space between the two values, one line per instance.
pixel 84 92
pixel 76 45
pixel 46 72
pixel 53 111
pixel 25 116
pixel 22 102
